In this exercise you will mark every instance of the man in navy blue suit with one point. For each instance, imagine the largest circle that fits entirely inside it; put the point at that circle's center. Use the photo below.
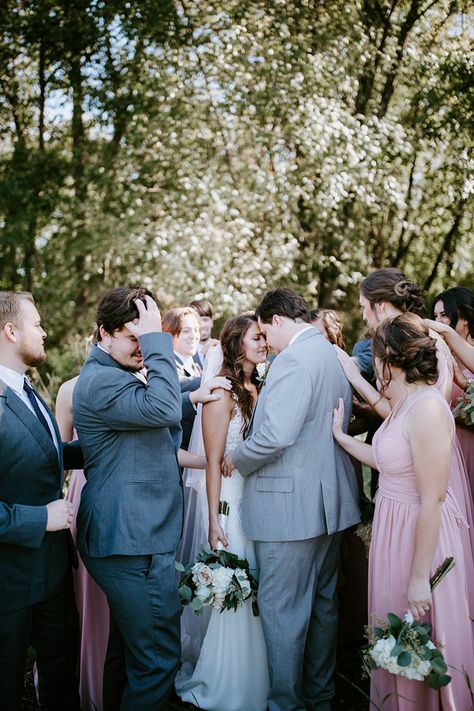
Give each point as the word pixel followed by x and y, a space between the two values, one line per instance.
pixel 36 596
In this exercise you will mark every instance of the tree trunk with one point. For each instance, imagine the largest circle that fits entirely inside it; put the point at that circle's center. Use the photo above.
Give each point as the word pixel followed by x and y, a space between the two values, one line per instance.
pixel 449 243
pixel 369 72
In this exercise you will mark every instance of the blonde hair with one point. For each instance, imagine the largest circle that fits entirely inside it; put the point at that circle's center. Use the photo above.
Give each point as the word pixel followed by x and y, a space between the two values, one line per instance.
pixel 10 305
pixel 333 323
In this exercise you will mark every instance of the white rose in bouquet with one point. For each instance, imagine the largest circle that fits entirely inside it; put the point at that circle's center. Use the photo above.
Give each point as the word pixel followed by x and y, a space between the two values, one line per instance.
pixel 202 574
pixel 218 602
pixel 221 578
pixel 203 592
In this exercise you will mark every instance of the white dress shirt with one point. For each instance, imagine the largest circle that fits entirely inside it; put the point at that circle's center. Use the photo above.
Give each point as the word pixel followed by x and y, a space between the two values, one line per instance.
pixel 189 365
pixel 297 335
pixel 15 380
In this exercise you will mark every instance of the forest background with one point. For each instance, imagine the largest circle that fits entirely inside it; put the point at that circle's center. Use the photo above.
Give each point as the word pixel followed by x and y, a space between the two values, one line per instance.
pixel 218 149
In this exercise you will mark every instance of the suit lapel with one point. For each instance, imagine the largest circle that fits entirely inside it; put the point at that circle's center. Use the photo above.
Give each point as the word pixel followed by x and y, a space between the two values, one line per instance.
pixel 252 418
pixel 59 451
pixel 198 360
pixel 30 421
pixel 182 370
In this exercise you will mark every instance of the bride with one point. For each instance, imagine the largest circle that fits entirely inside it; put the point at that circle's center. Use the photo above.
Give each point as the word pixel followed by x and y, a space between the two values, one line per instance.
pixel 231 673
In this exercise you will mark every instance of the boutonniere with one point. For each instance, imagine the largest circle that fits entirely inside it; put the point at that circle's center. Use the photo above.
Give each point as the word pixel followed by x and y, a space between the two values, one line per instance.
pixel 262 371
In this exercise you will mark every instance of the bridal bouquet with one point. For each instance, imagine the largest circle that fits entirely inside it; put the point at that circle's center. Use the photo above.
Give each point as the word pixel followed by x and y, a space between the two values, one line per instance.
pixel 219 579
pixel 464 409
pixel 403 647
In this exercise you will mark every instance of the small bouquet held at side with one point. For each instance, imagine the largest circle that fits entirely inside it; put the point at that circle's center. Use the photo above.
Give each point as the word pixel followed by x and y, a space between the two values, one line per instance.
pixel 218 579
pixel 403 646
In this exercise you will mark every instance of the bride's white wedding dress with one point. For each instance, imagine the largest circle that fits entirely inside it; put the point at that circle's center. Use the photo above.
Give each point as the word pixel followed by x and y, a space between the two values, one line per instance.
pixel 231 673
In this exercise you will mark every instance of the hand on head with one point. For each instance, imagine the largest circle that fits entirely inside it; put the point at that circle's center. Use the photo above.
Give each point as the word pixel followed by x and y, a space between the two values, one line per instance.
pixel 149 318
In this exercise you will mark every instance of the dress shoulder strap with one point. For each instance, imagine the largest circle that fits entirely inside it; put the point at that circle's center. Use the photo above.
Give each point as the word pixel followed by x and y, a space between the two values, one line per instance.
pixel 431 392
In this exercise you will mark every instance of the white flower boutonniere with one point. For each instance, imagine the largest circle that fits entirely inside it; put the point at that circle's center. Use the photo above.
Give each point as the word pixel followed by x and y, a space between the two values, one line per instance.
pixel 262 371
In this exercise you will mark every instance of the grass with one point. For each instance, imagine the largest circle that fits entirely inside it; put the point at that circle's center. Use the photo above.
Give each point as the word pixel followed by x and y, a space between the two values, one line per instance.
pixel 351 690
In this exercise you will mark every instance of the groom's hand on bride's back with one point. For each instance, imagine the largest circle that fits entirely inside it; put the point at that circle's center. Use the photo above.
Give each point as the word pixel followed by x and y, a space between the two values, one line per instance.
pixel 205 392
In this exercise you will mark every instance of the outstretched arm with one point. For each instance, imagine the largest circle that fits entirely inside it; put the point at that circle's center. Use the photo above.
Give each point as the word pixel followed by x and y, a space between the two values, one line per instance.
pixel 190 460
pixel 377 402
pixel 357 449
pixel 461 348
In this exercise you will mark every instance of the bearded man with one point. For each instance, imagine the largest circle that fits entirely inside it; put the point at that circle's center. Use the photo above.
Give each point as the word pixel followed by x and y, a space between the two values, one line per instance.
pixel 36 596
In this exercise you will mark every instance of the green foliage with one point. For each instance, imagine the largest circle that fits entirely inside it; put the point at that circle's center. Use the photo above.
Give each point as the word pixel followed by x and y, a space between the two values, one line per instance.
pixel 219 149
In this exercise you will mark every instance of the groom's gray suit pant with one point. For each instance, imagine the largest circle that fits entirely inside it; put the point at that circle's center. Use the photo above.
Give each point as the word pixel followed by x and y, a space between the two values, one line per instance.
pixel 297 602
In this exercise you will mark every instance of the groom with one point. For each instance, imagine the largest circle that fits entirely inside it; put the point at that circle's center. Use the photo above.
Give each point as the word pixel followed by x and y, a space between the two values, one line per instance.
pixel 299 493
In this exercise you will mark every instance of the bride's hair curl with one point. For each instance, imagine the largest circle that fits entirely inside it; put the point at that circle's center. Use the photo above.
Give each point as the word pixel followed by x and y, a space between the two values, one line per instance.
pixel 405 342
pixel 233 359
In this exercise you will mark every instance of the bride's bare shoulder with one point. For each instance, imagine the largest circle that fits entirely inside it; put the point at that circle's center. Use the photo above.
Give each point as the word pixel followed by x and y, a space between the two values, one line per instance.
pixel 224 404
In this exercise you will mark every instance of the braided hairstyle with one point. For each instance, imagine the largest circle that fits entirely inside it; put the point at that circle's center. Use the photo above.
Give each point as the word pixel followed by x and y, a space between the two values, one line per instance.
pixel 391 285
pixel 404 342
pixel 332 322
pixel 233 359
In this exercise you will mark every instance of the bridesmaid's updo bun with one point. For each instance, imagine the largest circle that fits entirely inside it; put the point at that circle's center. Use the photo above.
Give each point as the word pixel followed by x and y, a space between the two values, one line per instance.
pixel 391 285
pixel 404 342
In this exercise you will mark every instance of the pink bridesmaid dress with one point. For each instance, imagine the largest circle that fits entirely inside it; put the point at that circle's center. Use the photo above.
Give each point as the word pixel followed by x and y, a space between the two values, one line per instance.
pixel 393 537
pixel 465 437
pixel 93 618
pixel 459 478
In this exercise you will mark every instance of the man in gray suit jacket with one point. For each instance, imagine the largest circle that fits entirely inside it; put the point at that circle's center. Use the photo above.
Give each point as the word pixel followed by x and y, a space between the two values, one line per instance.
pixel 300 492
pixel 36 596
pixel 130 517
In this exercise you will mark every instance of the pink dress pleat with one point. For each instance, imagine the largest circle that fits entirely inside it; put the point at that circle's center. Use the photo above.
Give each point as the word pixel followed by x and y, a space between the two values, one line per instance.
pixel 393 537
pixel 465 436
pixel 93 618
pixel 459 479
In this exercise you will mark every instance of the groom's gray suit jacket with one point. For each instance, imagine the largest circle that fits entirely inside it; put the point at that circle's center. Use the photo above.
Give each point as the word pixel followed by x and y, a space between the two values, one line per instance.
pixel 299 483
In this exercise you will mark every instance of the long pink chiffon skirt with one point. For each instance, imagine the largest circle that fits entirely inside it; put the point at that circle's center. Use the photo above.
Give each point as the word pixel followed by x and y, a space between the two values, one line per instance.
pixel 93 619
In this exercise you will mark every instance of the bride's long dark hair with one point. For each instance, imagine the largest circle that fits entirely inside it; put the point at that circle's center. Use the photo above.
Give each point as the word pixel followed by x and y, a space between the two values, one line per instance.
pixel 233 359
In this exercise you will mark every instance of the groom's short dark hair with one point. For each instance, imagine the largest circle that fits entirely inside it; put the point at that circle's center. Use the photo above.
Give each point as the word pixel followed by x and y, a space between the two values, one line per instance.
pixel 117 307
pixel 282 302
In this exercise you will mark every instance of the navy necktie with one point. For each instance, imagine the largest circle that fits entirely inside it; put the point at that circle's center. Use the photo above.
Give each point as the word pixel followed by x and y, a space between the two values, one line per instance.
pixel 34 402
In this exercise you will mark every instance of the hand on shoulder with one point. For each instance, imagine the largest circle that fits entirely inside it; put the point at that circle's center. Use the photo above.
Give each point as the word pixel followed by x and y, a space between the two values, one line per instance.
pixel 211 390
